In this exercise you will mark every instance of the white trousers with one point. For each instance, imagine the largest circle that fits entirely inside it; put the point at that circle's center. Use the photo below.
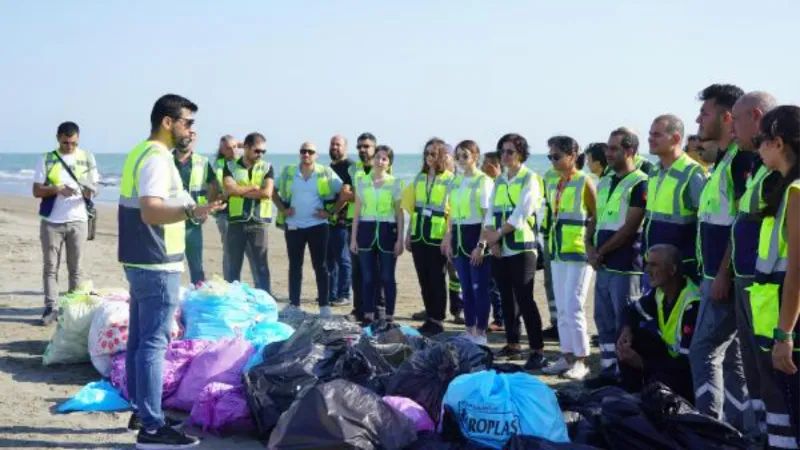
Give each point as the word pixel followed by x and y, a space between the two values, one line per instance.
pixel 571 282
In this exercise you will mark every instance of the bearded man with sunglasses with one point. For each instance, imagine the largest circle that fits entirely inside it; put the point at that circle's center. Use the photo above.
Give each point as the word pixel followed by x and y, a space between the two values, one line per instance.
pixel 249 184
pixel 308 194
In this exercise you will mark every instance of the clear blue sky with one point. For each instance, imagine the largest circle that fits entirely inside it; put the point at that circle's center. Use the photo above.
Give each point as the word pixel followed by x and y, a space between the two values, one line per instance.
pixel 305 70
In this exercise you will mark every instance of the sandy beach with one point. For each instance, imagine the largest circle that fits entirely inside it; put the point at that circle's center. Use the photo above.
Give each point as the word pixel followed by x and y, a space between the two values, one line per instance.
pixel 30 392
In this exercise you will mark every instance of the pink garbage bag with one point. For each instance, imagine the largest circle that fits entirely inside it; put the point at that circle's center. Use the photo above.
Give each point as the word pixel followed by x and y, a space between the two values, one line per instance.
pixel 222 361
pixel 176 362
pixel 412 410
pixel 222 409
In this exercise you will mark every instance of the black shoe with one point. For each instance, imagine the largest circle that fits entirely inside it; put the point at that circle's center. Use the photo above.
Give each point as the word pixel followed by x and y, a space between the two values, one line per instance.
pixel 165 438
pixel 422 315
pixel 536 361
pixel 430 329
pixel 49 316
pixel 511 354
pixel 550 333
pixel 595 341
pixel 135 423
pixel 458 319
pixel 601 381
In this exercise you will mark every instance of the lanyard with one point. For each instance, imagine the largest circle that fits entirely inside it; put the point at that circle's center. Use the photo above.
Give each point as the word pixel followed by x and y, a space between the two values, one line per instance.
pixel 429 189
pixel 559 190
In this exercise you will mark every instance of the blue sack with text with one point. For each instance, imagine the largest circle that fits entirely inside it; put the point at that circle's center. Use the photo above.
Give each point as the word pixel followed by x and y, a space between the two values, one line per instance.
pixel 491 407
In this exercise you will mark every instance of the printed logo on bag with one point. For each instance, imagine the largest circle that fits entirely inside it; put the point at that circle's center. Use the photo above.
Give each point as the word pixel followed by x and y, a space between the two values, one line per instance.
pixel 488 422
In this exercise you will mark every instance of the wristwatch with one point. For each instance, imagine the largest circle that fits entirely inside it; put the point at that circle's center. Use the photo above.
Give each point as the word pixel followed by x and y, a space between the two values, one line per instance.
pixel 481 245
pixel 782 336
pixel 188 211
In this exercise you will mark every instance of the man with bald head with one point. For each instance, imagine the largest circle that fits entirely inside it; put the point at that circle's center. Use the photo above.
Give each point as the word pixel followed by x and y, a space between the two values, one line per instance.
pixel 340 269
pixel 308 195
pixel 654 342
pixel 747 114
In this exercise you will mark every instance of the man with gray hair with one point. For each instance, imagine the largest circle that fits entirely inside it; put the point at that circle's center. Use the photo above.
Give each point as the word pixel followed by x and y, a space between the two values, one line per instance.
pixel 747 114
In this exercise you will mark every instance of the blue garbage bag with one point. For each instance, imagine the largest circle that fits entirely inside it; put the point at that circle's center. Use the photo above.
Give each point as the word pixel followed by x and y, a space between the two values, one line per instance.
pixel 96 396
pixel 263 333
pixel 212 315
pixel 265 306
pixel 489 408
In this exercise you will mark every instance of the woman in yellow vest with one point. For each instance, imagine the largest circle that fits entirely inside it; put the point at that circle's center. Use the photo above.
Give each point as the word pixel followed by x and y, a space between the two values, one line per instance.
pixel 377 234
pixel 426 230
pixel 572 201
pixel 469 197
pixel 775 293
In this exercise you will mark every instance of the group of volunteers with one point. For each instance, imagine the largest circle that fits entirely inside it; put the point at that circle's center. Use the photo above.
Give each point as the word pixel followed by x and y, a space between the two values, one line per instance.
pixel 695 257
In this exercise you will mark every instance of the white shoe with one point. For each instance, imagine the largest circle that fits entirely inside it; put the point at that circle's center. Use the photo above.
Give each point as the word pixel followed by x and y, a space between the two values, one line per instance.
pixel 290 308
pixel 325 311
pixel 558 367
pixel 480 340
pixel 577 372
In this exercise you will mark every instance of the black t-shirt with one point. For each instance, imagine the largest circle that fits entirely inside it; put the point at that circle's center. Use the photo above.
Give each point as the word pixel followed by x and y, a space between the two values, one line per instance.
pixel 342 169
pixel 741 168
pixel 226 171
pixel 646 167
pixel 638 193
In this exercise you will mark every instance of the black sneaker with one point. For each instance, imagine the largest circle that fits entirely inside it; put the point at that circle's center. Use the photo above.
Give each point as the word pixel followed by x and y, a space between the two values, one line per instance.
pixel 49 316
pixel 601 381
pixel 536 361
pixel 135 422
pixel 165 438
pixel 422 315
pixel 430 329
pixel 550 333
pixel 510 354
pixel 595 341
pixel 458 319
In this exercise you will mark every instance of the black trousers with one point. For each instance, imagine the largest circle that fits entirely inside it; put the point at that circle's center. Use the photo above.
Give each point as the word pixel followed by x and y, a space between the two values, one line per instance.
pixel 431 267
pixel 317 239
pixel 514 277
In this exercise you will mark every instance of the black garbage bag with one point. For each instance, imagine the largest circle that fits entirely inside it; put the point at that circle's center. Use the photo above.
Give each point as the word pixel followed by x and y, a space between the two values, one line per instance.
pixel 425 376
pixel 295 365
pixel 537 443
pixel 626 426
pixel 678 418
pixel 364 365
pixel 432 441
pixel 584 427
pixel 341 415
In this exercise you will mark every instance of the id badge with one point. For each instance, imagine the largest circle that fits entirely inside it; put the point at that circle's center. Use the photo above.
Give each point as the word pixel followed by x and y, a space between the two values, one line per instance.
pixel 292 228
pixel 427 212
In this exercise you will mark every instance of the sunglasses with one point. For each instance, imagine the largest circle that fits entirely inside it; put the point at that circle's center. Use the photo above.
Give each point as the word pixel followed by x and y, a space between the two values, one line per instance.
pixel 259 151
pixel 188 122
pixel 462 156
pixel 508 152
pixel 555 157
pixel 307 151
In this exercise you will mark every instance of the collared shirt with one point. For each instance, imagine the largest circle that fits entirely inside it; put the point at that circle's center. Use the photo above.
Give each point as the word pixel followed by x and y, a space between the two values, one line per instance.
pixel 185 169
pixel 306 200
pixel 529 196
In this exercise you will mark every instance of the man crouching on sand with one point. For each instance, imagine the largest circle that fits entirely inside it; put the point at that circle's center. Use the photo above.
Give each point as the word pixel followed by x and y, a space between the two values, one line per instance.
pixel 152 209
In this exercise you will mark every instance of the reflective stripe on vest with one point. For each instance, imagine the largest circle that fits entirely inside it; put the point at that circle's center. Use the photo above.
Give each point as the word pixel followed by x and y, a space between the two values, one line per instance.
pixel 665 202
pixel 242 209
pixel 157 247
pixel 53 171
pixel 717 201
pixel 671 330
pixel 568 229
pixel 506 197
pixel 377 210
pixel 465 204
pixel 752 202
pixel 325 188
pixel 613 210
pixel 428 220
pixel 771 265
pixel 197 179
pixel 547 217
pixel 356 171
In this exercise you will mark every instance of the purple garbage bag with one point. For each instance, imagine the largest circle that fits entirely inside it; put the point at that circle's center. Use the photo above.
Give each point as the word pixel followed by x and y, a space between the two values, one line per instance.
pixel 412 410
pixel 222 361
pixel 176 362
pixel 222 409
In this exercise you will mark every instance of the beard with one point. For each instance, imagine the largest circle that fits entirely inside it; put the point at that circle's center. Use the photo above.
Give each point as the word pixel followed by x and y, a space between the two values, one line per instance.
pixel 182 143
pixel 364 156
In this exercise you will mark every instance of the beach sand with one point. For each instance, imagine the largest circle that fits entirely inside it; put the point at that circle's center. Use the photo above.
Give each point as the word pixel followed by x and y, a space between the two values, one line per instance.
pixel 30 392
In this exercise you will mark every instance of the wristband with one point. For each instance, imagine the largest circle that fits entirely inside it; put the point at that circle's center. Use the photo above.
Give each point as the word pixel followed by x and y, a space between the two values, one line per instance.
pixel 782 336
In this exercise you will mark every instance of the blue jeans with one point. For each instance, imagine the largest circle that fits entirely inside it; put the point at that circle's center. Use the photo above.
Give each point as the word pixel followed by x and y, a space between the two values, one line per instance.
pixel 613 292
pixel 154 298
pixel 340 269
pixel 371 262
pixel 194 252
pixel 475 291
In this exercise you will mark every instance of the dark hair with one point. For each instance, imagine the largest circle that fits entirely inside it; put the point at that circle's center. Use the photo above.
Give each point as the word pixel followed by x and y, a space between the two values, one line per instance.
pixel 568 145
pixel 439 155
pixel 169 105
pixel 628 139
pixel 366 137
pixel 471 147
pixel 254 138
pixel 493 157
pixel 724 95
pixel 672 256
pixel 68 129
pixel 520 145
pixel 388 150
pixel 693 137
pixel 782 122
pixel 597 150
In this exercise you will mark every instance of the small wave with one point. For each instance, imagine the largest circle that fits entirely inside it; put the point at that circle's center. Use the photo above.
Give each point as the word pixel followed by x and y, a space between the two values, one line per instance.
pixel 19 175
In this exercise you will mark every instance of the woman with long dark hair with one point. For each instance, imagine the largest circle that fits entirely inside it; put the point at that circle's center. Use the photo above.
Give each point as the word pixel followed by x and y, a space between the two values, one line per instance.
pixel 775 293
pixel 427 229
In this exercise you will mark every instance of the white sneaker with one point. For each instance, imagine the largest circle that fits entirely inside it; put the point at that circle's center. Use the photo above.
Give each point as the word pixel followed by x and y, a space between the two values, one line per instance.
pixel 558 367
pixel 325 311
pixel 577 372
pixel 480 340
